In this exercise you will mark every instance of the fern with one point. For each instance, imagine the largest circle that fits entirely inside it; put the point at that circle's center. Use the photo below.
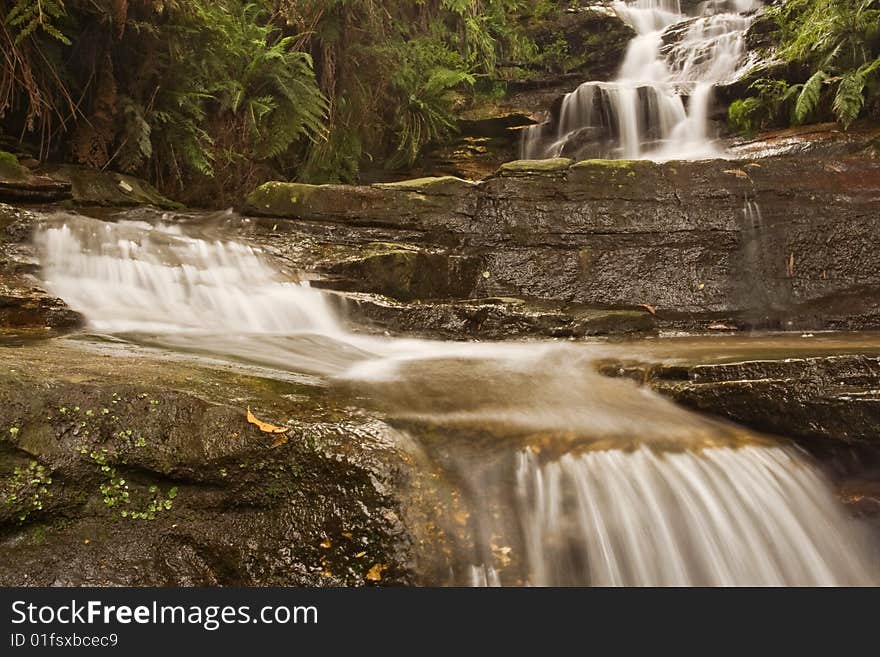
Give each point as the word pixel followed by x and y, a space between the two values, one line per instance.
pixel 27 16
pixel 839 41
pixel 849 99
pixel 809 97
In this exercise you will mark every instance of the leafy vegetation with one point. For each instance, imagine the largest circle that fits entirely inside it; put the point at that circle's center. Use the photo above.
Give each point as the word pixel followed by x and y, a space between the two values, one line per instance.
pixel 837 44
pixel 209 97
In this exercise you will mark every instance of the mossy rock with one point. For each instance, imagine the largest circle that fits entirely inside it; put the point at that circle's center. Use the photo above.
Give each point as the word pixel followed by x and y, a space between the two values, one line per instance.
pixel 431 185
pixel 282 199
pixel 611 174
pixel 532 167
pixel 107 188
pixel 420 202
pixel 10 169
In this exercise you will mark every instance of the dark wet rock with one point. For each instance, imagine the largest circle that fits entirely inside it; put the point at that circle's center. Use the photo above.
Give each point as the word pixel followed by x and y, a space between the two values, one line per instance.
pixel 19 185
pixel 829 398
pixel 816 140
pixel 107 188
pixel 108 483
pixel 496 319
pixel 24 305
pixel 595 39
pixel 404 272
pixel 779 242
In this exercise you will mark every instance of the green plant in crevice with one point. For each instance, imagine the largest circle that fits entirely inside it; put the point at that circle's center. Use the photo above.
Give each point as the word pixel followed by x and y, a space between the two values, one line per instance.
pixel 772 106
pixel 27 490
pixel 117 494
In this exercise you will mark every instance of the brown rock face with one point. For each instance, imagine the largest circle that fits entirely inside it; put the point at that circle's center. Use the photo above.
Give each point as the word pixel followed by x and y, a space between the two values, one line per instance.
pixel 23 304
pixel 780 242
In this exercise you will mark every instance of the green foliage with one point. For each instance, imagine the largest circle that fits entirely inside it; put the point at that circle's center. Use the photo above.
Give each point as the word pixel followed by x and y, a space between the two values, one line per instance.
pixel 116 492
pixel 809 97
pixel 28 16
pixel 209 97
pixel 838 41
pixel 422 82
pixel 770 107
pixel 26 490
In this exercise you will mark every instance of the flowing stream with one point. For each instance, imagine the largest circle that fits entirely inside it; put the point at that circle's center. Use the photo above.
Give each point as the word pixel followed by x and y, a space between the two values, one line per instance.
pixel 659 105
pixel 565 476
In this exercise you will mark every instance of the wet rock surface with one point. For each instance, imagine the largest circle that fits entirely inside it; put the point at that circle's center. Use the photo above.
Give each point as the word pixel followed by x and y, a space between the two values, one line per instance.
pixel 496 319
pixel 18 184
pixel 23 303
pixel 777 242
pixel 163 482
pixel 813 396
pixel 831 398
pixel 106 188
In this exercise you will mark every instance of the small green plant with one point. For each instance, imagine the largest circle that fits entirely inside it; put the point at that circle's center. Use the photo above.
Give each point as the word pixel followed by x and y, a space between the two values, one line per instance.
pixel 117 494
pixel 28 489
pixel 770 107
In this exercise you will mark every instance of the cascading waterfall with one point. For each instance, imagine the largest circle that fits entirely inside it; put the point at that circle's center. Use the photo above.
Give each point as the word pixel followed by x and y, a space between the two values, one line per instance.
pixel 689 518
pixel 658 107
pixel 574 478
pixel 140 276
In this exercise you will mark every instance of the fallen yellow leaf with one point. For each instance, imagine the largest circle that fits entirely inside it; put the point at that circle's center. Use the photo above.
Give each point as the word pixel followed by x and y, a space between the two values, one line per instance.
pixel 265 427
pixel 326 543
pixel 360 554
pixel 375 573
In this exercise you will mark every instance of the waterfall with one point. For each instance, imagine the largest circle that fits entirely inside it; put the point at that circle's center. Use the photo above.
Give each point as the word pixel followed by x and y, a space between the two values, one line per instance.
pixel 659 105
pixel 624 518
pixel 570 477
pixel 136 276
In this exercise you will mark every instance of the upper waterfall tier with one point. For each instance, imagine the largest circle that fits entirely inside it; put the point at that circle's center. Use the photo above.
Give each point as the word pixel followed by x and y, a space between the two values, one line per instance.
pixel 658 107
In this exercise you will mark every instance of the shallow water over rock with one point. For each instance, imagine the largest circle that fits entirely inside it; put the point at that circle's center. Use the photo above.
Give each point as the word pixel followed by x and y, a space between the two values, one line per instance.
pixel 535 467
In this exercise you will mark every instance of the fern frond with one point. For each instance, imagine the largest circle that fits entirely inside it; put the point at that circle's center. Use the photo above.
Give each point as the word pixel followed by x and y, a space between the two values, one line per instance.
pixel 850 99
pixel 809 97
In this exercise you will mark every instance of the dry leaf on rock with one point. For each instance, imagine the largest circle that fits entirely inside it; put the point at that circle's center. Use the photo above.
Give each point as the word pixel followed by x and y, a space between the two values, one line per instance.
pixel 265 427
pixel 375 573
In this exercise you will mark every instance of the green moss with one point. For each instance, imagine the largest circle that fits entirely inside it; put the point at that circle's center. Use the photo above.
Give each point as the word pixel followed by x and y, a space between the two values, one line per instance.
pixel 280 197
pixel 610 164
pixel 430 185
pixel 10 168
pixel 553 165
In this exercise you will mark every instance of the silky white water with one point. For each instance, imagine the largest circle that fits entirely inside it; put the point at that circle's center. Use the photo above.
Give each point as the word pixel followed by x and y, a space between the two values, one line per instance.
pixel 658 106
pixel 571 477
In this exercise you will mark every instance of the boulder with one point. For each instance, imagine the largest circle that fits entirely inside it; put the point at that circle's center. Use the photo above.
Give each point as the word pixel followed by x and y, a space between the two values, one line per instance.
pixel 106 188
pixel 19 185
pixel 830 397
pixel 164 482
